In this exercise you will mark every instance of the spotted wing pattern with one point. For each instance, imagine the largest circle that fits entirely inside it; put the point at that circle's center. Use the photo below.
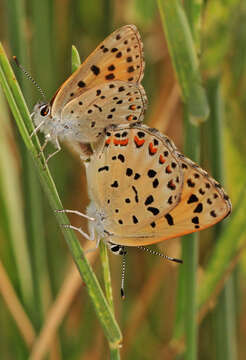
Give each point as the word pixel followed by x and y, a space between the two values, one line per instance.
pixel 135 178
pixel 200 201
pixel 115 103
pixel 118 57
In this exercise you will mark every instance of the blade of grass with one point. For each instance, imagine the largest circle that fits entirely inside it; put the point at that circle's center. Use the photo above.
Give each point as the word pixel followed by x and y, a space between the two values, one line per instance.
pixel 75 59
pixel 182 51
pixel 17 104
pixel 13 203
pixel 114 352
pixel 59 309
pixel 224 313
pixel 193 10
pixel 15 307
pixel 106 274
pixel 187 286
pixel 31 186
pixel 224 251
pixel 43 43
pixel 17 34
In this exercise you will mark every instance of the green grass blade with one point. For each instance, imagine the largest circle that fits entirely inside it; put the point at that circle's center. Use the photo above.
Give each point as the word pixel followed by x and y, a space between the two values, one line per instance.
pixel 223 314
pixel 13 203
pixel 184 58
pixel 187 287
pixel 75 59
pixel 17 104
pixel 193 9
pixel 106 274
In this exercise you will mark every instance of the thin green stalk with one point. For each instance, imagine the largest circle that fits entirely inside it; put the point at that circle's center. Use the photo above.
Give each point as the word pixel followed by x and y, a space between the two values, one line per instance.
pixel 187 287
pixel 190 253
pixel 30 183
pixel 224 251
pixel 224 316
pixel 20 112
pixel 43 43
pixel 16 27
pixel 13 207
pixel 184 58
pixel 181 47
pixel 75 59
pixel 106 273
pixel 193 10
pixel 114 354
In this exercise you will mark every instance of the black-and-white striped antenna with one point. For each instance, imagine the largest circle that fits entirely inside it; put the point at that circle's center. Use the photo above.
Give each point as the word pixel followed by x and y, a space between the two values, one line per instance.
pixel 29 77
pixel 153 252
pixel 122 292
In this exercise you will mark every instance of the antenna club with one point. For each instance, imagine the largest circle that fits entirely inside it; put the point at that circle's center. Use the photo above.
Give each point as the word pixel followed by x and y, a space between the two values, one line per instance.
pixel 16 61
pixel 122 294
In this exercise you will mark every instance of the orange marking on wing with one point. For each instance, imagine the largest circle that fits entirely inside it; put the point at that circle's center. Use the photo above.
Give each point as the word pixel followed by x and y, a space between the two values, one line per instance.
pixel 162 160
pixel 124 142
pixel 132 107
pixel 129 117
pixel 107 142
pixel 172 185
pixel 168 169
pixel 152 149
pixel 138 141
pixel 116 141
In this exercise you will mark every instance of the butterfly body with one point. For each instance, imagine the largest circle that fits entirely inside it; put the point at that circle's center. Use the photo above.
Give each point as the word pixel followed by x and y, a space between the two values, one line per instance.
pixel 144 191
pixel 104 90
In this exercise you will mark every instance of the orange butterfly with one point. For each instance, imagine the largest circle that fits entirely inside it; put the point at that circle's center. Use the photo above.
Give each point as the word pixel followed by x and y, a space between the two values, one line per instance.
pixel 144 191
pixel 105 90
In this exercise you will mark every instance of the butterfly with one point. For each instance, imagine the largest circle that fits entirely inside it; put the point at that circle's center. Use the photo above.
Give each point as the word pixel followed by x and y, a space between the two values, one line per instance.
pixel 105 90
pixel 143 190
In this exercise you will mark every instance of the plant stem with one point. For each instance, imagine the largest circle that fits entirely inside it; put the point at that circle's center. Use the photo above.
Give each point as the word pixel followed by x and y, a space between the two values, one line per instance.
pixel 20 112
pixel 224 313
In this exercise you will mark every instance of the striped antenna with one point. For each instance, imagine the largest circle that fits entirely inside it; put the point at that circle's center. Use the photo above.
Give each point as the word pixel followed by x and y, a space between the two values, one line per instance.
pixel 122 292
pixel 153 252
pixel 29 76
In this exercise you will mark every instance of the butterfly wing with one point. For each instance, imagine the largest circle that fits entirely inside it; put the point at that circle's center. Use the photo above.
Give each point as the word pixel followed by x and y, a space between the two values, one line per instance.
pixel 118 57
pixel 117 102
pixel 133 210
pixel 134 178
pixel 203 203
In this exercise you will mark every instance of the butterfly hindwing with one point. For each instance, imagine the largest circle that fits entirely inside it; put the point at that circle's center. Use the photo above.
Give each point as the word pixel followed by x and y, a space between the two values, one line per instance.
pixel 134 179
pixel 200 200
pixel 116 102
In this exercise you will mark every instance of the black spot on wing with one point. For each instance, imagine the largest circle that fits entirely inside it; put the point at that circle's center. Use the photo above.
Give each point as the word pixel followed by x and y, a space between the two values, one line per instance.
pixel 169 219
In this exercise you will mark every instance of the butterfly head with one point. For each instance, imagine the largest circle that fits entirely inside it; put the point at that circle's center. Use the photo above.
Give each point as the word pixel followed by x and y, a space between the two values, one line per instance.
pixel 42 117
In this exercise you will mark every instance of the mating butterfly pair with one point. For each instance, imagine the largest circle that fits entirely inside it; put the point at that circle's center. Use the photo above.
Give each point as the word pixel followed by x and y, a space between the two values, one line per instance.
pixel 142 189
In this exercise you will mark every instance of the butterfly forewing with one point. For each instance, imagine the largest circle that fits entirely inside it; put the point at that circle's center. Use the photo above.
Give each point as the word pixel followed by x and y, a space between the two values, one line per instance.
pixel 118 57
pixel 135 179
pixel 116 102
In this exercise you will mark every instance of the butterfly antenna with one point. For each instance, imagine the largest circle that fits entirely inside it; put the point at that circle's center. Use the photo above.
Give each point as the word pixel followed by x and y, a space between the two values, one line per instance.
pixel 29 77
pixel 122 292
pixel 153 252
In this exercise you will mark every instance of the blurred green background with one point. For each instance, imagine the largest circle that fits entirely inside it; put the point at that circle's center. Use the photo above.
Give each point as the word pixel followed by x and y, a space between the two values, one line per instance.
pixel 45 312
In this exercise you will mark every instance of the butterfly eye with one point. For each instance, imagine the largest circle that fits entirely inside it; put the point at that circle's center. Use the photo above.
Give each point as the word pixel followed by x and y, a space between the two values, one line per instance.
pixel 44 110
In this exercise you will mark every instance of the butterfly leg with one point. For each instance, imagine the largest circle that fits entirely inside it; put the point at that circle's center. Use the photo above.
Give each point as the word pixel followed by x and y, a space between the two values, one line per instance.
pixel 43 147
pixel 76 212
pixel 79 229
pixel 36 128
pixel 93 237
pixel 58 148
